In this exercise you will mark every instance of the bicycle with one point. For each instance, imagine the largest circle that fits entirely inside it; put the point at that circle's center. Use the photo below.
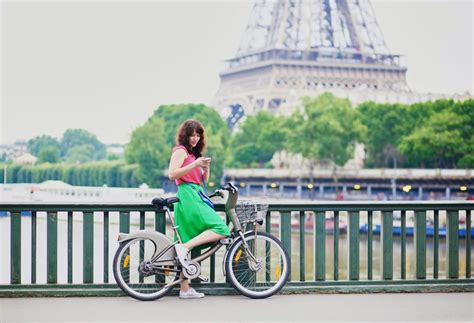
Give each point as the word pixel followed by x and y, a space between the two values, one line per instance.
pixel 257 265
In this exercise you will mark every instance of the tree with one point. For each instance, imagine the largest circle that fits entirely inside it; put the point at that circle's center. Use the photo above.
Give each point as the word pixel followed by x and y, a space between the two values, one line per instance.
pixel 406 133
pixel 49 154
pixel 388 123
pixel 148 149
pixel 80 154
pixel 257 139
pixel 326 130
pixel 80 137
pixel 439 143
pixel 465 110
pixel 39 143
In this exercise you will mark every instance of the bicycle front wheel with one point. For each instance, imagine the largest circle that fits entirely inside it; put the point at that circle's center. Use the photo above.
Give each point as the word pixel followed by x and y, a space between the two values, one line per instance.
pixel 140 276
pixel 263 276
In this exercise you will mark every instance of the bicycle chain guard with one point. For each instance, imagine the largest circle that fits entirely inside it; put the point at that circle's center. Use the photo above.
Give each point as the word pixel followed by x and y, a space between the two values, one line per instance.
pixel 193 270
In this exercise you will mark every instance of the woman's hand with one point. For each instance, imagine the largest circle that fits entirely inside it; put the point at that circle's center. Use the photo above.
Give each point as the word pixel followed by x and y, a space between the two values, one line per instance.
pixel 203 162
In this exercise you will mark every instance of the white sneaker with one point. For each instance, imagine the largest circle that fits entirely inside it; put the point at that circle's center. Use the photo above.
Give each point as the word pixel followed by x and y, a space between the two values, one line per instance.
pixel 182 253
pixel 190 293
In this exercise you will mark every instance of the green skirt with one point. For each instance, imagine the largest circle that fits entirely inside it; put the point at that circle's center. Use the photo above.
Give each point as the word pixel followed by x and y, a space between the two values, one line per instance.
pixel 193 216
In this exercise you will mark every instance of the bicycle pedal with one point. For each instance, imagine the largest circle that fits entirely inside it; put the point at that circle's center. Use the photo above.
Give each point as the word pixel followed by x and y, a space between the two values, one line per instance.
pixel 203 278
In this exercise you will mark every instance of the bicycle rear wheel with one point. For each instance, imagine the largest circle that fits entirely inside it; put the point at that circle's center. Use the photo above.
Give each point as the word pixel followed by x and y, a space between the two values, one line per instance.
pixel 262 279
pixel 140 276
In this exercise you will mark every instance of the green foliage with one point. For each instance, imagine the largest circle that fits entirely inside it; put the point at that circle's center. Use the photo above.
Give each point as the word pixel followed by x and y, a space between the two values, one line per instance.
pixel 80 154
pixel 73 138
pixel 257 139
pixel 113 174
pixel 326 130
pixel 428 134
pixel 49 154
pixel 39 143
pixel 76 145
pixel 148 149
pixel 438 143
pixel 113 157
pixel 387 124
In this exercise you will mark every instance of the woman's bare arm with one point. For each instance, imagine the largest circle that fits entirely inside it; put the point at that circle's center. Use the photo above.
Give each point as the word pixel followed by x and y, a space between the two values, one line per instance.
pixel 177 159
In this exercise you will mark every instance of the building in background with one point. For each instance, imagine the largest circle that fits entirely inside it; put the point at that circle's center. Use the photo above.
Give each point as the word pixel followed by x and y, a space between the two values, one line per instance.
pixel 291 49
pixel 11 152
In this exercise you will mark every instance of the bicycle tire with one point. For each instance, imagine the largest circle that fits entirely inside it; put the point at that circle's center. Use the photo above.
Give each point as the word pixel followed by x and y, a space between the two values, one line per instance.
pixel 269 244
pixel 149 291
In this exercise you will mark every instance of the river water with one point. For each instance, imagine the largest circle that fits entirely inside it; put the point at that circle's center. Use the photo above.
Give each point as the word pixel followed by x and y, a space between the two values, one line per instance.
pixel 114 229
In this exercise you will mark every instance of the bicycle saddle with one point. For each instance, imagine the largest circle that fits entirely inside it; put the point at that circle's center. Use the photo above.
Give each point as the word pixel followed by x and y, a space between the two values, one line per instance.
pixel 160 202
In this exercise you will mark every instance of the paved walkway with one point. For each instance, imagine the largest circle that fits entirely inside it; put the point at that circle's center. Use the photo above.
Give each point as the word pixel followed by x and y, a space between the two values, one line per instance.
pixel 450 307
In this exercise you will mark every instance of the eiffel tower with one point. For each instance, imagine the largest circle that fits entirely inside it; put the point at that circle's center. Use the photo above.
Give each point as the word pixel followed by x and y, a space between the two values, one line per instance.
pixel 296 48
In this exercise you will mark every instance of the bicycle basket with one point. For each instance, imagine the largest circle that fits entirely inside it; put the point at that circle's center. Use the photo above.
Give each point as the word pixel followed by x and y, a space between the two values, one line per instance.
pixel 250 211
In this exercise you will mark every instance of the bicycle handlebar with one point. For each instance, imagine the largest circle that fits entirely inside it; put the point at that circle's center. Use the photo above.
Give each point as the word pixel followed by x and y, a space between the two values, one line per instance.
pixel 228 187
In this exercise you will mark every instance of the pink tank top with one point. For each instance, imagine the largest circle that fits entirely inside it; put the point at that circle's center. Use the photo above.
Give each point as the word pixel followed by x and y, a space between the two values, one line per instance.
pixel 194 175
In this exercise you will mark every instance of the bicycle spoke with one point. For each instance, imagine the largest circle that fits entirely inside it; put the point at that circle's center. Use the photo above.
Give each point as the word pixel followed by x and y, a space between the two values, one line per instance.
pixel 262 281
pixel 138 275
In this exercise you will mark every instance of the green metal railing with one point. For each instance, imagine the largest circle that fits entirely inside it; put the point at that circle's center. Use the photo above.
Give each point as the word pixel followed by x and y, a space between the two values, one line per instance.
pixel 287 221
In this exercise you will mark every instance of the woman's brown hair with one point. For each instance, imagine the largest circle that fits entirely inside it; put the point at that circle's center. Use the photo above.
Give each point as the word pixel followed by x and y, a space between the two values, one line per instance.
pixel 185 131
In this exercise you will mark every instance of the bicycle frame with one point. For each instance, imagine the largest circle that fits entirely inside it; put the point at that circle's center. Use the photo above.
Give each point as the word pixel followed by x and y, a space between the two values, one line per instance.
pixel 234 226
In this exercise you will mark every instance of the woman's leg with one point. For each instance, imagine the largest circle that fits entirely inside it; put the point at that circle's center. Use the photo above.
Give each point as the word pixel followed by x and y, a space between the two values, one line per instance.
pixel 184 283
pixel 204 237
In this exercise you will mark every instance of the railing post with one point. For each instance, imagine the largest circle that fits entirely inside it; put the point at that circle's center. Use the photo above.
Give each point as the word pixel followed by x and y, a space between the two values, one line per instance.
pixel 15 248
pixel 468 244
pixel 353 231
pixel 33 246
pixel 452 245
pixel 320 245
pixel 436 244
pixel 52 247
pixel 160 226
pixel 268 227
pixel 285 233
pixel 369 245
pixel 403 245
pixel 124 222
pixel 69 247
pixel 302 246
pixel 88 248
pixel 420 244
pixel 387 245
pixel 336 245
pixel 106 246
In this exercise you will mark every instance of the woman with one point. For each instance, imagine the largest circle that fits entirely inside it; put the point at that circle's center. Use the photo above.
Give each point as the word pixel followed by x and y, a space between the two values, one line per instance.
pixel 198 223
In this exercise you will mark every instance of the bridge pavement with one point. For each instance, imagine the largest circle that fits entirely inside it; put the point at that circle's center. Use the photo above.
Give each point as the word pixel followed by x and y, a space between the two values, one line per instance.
pixel 449 307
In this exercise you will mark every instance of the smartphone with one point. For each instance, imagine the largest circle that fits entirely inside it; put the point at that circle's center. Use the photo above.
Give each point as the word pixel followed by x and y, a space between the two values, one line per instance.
pixel 207 158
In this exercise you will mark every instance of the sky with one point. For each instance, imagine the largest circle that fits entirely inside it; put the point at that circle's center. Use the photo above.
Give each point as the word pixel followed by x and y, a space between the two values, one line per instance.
pixel 105 66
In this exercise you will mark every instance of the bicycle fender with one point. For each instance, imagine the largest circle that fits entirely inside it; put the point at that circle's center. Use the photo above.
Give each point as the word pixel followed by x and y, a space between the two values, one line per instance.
pixel 227 250
pixel 164 245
